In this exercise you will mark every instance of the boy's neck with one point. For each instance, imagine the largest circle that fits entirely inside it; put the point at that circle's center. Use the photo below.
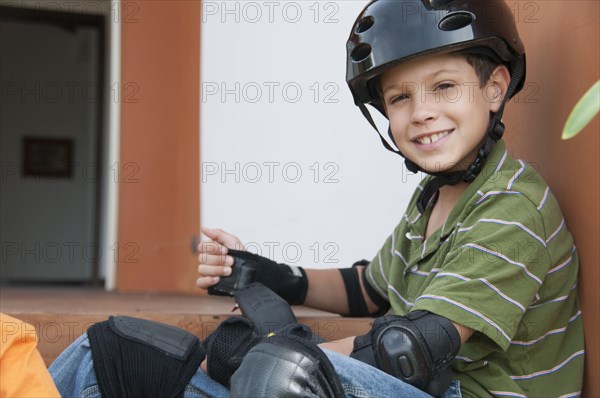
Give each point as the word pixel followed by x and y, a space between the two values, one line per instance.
pixel 449 194
pixel 447 197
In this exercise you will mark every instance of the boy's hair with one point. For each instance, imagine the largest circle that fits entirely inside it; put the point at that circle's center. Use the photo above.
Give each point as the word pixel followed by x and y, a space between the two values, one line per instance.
pixel 483 66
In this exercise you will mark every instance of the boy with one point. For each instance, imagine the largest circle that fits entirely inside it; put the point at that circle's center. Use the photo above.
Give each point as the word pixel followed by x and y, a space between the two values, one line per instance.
pixel 480 275
pixel 482 259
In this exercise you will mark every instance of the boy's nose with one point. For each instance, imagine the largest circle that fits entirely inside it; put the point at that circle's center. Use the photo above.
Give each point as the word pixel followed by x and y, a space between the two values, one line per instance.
pixel 423 111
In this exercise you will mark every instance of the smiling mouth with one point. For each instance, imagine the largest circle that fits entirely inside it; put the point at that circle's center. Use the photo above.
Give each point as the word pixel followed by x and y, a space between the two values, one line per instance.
pixel 430 139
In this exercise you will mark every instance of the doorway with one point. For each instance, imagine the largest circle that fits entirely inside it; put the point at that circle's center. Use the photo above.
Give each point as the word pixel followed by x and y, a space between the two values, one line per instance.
pixel 51 115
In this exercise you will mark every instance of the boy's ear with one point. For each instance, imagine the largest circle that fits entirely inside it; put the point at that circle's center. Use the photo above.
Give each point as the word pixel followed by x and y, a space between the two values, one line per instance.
pixel 498 84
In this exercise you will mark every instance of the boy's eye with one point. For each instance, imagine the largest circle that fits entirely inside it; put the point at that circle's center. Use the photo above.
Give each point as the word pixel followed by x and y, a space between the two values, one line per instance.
pixel 399 98
pixel 444 86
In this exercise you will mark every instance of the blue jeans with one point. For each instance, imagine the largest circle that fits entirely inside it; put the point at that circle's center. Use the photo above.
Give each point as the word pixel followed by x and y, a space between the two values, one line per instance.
pixel 73 373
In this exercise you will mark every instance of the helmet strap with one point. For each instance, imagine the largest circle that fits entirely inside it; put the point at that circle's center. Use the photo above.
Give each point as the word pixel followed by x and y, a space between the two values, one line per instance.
pixel 369 118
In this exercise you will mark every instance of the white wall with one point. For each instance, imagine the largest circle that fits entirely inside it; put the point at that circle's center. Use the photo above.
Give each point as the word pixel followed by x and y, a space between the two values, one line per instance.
pixel 275 103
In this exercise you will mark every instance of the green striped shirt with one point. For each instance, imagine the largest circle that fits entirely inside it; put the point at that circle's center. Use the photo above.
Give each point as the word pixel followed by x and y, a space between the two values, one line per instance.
pixel 503 264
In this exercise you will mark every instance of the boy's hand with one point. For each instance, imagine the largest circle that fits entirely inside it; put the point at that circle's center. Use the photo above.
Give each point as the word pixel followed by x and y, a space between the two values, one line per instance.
pixel 212 256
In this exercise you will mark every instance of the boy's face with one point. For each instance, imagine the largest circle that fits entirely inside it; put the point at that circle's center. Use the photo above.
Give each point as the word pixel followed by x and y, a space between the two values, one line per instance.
pixel 437 111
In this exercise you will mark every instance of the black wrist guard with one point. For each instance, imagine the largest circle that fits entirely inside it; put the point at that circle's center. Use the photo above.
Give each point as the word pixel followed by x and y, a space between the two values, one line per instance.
pixel 287 281
pixel 417 349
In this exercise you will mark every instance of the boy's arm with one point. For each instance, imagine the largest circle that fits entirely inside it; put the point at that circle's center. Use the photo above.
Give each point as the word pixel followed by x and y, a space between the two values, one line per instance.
pixel 326 288
pixel 327 292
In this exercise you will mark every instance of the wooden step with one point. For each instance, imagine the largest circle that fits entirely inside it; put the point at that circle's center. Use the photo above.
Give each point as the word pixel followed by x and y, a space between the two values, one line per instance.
pixel 61 315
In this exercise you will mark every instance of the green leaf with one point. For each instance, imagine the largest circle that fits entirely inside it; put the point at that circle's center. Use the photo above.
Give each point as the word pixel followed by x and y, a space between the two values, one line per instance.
pixel 583 112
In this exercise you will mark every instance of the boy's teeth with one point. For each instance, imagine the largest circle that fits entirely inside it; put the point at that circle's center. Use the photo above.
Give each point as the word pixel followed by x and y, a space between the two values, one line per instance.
pixel 432 138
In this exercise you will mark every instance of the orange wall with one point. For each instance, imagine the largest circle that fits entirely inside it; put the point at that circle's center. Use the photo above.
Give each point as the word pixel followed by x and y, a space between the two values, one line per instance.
pixel 159 213
pixel 563 62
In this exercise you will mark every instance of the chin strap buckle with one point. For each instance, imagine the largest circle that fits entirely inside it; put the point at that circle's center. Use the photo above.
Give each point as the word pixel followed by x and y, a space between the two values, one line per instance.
pixel 475 167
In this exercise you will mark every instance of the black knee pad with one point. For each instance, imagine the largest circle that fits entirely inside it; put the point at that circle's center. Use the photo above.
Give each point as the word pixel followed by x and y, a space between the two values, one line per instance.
pixel 139 358
pixel 226 347
pixel 286 365
pixel 267 311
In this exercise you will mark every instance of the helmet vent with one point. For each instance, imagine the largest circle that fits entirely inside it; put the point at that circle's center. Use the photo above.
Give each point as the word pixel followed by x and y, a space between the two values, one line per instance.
pixel 364 24
pixel 456 20
pixel 361 52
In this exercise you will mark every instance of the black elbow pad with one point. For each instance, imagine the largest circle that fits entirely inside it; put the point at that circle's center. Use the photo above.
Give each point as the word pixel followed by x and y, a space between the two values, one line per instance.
pixel 417 349
pixel 357 305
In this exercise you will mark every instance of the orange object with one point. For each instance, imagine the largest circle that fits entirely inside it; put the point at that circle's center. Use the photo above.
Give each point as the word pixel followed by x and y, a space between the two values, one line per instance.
pixel 22 370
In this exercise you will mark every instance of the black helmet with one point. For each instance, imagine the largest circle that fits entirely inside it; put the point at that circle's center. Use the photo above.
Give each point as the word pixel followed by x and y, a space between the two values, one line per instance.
pixel 388 32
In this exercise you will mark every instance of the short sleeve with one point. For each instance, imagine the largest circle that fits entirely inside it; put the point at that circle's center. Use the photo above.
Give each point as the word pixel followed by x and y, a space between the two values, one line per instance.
pixel 496 265
pixel 378 270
